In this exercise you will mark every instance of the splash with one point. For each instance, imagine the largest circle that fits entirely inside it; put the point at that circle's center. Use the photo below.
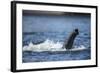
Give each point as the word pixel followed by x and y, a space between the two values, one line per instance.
pixel 49 45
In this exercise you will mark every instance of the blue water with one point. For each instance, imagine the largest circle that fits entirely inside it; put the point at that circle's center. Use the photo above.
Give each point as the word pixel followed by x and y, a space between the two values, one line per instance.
pixel 37 29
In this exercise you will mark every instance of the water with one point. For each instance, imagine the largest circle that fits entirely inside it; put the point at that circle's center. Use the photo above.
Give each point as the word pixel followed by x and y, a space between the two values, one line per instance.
pixel 44 36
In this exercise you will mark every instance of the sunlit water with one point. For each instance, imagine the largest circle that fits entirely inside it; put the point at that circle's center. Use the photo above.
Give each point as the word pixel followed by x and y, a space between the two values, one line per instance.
pixel 39 46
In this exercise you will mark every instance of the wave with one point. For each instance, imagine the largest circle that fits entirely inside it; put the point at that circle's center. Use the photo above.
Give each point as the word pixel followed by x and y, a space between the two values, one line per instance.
pixel 49 45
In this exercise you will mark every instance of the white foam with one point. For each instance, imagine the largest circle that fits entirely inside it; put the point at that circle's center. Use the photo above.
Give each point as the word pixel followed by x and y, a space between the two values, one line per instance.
pixel 77 48
pixel 49 45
